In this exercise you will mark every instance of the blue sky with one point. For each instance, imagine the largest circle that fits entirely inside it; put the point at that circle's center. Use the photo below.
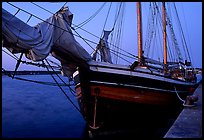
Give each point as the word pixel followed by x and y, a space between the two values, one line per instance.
pixel 191 18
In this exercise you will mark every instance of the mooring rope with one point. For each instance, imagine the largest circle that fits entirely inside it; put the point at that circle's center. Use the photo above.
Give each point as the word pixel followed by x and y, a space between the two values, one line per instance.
pixel 178 95
pixel 185 105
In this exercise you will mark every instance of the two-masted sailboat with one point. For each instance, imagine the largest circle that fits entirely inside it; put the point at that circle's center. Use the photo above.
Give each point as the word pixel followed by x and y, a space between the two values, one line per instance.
pixel 103 89
pixel 103 86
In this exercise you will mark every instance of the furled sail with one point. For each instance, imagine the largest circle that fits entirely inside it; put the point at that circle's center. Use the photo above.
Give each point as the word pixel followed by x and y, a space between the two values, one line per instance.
pixel 51 36
pixel 103 48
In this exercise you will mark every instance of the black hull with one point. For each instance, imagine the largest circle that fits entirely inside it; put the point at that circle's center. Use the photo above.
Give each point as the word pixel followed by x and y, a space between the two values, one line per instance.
pixel 103 96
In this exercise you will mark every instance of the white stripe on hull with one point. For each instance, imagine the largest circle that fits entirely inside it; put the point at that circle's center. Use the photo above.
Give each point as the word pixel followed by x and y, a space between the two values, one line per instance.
pixel 135 86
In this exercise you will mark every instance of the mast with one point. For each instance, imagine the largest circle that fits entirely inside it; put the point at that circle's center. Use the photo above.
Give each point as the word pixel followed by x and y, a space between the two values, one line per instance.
pixel 164 34
pixel 139 30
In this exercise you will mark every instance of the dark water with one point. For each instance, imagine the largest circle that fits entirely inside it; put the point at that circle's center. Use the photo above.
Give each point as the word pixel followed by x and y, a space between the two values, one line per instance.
pixel 31 110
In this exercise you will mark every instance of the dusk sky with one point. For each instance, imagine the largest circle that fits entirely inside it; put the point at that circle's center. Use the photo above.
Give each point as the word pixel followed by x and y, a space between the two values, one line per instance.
pixel 190 17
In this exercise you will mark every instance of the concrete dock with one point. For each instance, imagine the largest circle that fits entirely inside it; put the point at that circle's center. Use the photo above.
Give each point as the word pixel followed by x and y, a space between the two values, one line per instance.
pixel 189 122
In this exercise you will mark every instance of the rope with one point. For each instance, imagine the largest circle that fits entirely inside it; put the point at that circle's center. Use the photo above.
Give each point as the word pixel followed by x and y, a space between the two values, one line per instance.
pixel 91 17
pixel 60 77
pixel 16 58
pixel 106 19
pixel 185 105
pixel 63 90
pixel 28 63
pixel 178 95
pixel 33 81
pixel 66 30
pixel 64 4
pixel 185 44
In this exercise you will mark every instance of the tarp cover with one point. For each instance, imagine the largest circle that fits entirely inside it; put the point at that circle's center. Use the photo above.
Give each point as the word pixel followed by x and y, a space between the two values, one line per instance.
pixel 53 36
pixel 103 48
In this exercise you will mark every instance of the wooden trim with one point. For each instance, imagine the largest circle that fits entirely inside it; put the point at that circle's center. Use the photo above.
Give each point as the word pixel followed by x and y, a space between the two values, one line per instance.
pixel 134 95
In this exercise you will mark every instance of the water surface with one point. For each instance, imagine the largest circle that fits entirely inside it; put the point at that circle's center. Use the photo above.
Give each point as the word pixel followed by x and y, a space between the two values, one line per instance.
pixel 31 110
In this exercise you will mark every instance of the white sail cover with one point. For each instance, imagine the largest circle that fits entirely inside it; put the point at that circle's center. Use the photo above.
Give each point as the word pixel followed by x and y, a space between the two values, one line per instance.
pixel 51 36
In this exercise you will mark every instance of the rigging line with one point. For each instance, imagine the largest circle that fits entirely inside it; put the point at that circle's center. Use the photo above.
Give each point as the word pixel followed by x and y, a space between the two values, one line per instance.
pixel 54 62
pixel 34 81
pixel 17 64
pixel 63 18
pixel 159 36
pixel 114 23
pixel 106 19
pixel 42 8
pixel 148 31
pixel 54 71
pixel 174 41
pixel 169 51
pixel 152 30
pixel 63 91
pixel 121 53
pixel 182 33
pixel 29 18
pixel 54 13
pixel 53 25
pixel 121 57
pixel 182 44
pixel 155 27
pixel 91 17
pixel 173 36
pixel 41 19
pixel 37 64
pixel 59 77
pixel 24 33
pixel 16 58
pixel 60 27
pixel 48 22
pixel 85 41
pixel 187 32
pixel 71 90
pixel 63 30
pixel 24 62
pixel 121 30
pixel 148 27
pixel 117 15
pixel 160 23
pixel 64 4
pixel 14 14
pixel 115 34
pixel 50 11
pixel 85 31
pixel 28 34
pixel 109 43
pixel 80 27
pixel 59 37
